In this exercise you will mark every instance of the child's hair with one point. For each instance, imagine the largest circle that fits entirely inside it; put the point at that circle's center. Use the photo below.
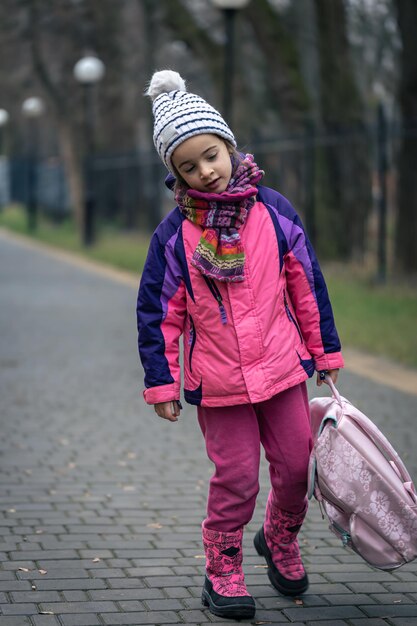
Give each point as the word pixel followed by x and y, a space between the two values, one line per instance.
pixel 179 115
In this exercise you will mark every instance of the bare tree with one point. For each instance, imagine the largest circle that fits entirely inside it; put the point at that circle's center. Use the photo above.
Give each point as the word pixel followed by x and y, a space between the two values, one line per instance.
pixel 345 164
pixel 406 228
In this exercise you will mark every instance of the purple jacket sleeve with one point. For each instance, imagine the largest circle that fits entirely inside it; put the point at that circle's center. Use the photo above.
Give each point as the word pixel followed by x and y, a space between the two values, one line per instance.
pixel 161 310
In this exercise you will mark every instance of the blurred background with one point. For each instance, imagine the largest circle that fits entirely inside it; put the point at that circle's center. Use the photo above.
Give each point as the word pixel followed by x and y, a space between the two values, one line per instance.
pixel 323 92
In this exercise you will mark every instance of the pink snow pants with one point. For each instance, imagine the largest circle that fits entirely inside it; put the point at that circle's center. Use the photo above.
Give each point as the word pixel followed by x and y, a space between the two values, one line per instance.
pixel 233 437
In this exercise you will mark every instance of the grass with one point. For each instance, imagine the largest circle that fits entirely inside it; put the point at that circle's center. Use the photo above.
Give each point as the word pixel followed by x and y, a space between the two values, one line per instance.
pixel 379 319
pixel 125 250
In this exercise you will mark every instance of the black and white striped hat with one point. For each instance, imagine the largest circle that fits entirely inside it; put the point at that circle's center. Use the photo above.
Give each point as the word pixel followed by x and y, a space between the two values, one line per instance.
pixel 179 115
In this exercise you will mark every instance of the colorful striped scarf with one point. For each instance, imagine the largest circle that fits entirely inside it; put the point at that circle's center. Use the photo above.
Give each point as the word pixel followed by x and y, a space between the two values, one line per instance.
pixel 219 253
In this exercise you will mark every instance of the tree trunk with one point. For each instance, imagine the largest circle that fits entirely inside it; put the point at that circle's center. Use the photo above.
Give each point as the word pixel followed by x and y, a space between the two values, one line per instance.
pixel 73 171
pixel 343 163
pixel 406 223
pixel 282 64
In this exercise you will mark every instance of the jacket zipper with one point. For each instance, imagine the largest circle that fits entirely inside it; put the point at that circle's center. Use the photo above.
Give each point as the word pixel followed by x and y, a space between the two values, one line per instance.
pixel 291 318
pixel 211 284
pixel 191 342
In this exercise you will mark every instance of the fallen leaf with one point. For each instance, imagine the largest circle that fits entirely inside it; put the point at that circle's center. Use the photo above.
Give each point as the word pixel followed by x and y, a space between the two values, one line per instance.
pixel 154 525
pixel 34 587
pixel 23 569
pixel 260 566
pixel 298 601
pixel 397 601
pixel 199 556
pixel 42 571
pixel 96 560
pixel 11 510
pixel 39 531
pixel 129 488
pixel 46 612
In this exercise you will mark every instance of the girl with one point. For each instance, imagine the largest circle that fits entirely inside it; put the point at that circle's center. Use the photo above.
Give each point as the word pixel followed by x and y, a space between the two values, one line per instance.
pixel 231 269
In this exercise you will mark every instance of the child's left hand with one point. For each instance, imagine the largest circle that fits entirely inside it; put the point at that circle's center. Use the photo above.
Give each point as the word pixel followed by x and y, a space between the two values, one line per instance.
pixel 333 375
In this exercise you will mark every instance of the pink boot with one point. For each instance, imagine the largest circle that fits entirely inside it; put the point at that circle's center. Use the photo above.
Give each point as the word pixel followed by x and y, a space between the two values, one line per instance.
pixel 277 542
pixel 224 590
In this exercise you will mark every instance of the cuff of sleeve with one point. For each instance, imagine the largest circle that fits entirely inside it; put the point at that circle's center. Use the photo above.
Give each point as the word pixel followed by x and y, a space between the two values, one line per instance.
pixel 162 393
pixel 331 361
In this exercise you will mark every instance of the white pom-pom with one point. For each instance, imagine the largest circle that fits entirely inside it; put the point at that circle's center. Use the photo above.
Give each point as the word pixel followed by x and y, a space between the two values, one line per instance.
pixel 164 82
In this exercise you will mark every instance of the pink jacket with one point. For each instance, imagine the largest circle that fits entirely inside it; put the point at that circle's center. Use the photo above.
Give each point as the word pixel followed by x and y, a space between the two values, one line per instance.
pixel 243 342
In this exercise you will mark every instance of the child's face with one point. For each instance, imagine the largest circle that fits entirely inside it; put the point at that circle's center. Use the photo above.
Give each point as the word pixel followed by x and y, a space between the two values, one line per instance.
pixel 204 163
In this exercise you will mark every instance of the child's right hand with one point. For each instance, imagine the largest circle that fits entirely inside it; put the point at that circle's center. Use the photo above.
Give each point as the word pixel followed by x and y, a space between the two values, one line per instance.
pixel 168 410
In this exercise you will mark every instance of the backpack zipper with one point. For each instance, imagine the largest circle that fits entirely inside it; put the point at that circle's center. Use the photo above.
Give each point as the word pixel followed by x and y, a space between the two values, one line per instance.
pixel 217 295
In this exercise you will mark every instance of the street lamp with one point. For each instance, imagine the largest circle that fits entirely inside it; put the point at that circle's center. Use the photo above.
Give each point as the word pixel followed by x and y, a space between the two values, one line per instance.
pixel 32 109
pixel 229 8
pixel 4 118
pixel 4 171
pixel 88 71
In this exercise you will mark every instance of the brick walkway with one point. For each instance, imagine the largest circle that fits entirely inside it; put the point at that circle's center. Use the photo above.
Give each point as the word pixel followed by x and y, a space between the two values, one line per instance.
pixel 101 502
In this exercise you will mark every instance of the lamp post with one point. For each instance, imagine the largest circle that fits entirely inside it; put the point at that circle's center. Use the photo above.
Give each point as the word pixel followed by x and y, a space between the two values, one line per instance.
pixel 88 71
pixel 229 8
pixel 4 118
pixel 32 109
pixel 4 178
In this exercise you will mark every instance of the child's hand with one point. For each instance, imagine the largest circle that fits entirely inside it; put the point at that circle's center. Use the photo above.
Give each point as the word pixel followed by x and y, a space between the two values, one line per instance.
pixel 333 375
pixel 168 410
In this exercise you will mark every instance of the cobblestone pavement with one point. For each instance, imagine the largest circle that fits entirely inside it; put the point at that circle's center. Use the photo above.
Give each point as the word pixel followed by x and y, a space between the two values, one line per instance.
pixel 101 501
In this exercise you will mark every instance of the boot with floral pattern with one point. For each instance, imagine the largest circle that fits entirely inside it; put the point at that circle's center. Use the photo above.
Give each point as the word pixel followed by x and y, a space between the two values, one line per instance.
pixel 224 590
pixel 277 542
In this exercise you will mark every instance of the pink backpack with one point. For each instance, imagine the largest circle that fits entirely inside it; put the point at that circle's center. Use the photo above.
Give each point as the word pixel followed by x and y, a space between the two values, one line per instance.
pixel 362 484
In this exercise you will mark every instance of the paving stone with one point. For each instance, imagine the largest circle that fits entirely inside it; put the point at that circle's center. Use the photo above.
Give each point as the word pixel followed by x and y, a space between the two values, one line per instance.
pixel 346 577
pixel 393 610
pixel 389 598
pixel 177 592
pixel 124 594
pixel 14 585
pixel 78 607
pixel 369 621
pixel 17 609
pixel 323 613
pixel 131 605
pixel 366 587
pixel 75 596
pixel 169 581
pixel 403 587
pixel 71 583
pixel 328 588
pixel 82 619
pixel 352 598
pixel 35 596
pixel 134 619
pixel 192 616
pixel 45 620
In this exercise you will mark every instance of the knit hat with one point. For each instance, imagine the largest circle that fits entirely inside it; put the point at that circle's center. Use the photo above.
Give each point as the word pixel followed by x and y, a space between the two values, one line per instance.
pixel 180 115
